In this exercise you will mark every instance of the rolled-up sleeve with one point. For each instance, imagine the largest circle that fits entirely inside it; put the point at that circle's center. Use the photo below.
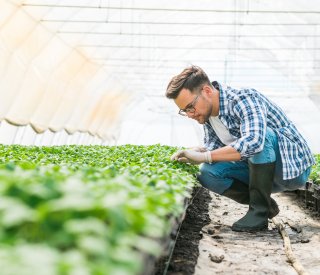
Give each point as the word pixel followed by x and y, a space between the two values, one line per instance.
pixel 252 115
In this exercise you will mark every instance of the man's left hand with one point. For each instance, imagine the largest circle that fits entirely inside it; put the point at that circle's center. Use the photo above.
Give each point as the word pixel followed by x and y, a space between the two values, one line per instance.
pixel 192 156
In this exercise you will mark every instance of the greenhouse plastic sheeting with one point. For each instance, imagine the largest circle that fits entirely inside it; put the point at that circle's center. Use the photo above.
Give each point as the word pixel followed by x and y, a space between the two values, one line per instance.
pixel 92 66
pixel 46 83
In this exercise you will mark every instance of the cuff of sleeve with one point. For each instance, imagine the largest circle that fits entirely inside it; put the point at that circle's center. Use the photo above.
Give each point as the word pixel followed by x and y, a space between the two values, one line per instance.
pixel 239 148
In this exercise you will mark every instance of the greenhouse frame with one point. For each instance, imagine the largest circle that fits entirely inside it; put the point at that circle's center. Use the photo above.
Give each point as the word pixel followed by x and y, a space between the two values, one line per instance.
pixel 90 182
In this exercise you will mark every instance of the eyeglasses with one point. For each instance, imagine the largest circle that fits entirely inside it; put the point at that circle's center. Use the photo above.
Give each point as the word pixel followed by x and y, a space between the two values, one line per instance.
pixel 190 107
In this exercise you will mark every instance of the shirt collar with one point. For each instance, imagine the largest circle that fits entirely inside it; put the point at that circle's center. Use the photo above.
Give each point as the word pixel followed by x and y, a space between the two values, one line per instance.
pixel 222 98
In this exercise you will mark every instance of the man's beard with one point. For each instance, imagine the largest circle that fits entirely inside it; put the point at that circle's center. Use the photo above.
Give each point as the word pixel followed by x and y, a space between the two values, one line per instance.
pixel 209 112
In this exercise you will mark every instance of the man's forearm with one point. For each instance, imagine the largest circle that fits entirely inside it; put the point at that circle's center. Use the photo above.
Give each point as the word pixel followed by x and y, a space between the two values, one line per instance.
pixel 226 153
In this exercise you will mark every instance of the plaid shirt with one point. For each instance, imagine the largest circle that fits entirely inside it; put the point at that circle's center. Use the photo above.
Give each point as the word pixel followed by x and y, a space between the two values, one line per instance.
pixel 247 113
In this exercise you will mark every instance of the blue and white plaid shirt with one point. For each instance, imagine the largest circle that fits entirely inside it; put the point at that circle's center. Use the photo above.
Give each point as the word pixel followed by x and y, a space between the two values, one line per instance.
pixel 246 113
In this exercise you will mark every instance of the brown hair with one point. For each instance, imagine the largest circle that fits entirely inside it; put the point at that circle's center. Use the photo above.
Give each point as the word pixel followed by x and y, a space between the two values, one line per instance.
pixel 190 78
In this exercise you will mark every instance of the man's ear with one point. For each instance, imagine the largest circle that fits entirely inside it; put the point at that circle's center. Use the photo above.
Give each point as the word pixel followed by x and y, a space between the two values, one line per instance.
pixel 207 90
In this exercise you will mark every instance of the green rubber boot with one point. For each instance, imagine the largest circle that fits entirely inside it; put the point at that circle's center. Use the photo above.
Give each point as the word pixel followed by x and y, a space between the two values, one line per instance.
pixel 239 192
pixel 260 186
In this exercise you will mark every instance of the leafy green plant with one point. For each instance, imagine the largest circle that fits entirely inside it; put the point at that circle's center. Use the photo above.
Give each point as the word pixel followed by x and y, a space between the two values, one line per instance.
pixel 315 172
pixel 87 209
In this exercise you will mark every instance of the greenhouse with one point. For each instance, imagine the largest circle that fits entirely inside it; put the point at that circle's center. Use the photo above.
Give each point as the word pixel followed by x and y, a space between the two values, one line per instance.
pixel 159 137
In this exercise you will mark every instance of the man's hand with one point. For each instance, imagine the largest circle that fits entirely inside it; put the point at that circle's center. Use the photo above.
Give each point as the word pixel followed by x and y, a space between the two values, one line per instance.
pixel 192 156
pixel 199 149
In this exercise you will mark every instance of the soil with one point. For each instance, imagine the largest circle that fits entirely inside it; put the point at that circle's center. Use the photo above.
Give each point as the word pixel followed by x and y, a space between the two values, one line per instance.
pixel 186 251
pixel 207 245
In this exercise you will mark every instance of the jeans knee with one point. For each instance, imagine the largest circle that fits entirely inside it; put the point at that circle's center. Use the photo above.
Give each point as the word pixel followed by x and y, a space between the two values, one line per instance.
pixel 209 178
pixel 203 174
pixel 206 172
pixel 204 168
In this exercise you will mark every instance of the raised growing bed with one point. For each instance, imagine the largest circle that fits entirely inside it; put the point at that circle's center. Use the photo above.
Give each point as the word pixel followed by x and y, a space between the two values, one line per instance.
pixel 311 194
pixel 316 195
pixel 94 209
pixel 310 197
pixel 159 264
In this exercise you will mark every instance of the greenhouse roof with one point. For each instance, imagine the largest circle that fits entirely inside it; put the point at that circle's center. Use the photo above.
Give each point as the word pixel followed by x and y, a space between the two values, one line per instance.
pixel 93 62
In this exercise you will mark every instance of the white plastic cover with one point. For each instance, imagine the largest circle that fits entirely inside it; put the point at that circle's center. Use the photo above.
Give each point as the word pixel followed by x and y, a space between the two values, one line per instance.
pixel 102 66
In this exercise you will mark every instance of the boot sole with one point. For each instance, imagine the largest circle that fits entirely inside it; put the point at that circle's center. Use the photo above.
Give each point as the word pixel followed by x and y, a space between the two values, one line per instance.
pixel 249 229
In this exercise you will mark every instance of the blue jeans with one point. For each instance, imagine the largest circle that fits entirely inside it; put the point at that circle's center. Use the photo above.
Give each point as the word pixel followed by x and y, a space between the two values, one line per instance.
pixel 219 176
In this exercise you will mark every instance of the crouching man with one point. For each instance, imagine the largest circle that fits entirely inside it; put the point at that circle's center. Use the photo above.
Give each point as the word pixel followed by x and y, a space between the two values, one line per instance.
pixel 251 147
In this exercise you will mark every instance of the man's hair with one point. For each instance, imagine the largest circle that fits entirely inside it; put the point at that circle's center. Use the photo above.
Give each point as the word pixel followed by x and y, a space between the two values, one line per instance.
pixel 190 78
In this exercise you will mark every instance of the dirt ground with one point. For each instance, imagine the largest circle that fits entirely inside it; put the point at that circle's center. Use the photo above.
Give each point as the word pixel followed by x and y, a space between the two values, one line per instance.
pixel 215 249
pixel 186 251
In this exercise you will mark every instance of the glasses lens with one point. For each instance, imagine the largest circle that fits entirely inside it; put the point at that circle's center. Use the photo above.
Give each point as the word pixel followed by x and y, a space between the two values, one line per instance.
pixel 182 112
pixel 185 112
pixel 191 109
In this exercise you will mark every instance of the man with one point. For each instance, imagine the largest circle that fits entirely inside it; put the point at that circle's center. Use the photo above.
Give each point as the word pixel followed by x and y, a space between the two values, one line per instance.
pixel 251 147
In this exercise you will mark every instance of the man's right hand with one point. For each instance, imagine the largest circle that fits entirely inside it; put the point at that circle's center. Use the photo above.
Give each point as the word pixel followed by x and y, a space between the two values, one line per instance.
pixel 192 156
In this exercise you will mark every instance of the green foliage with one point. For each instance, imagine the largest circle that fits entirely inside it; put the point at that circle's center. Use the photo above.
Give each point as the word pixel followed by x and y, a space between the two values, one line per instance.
pixel 315 172
pixel 87 209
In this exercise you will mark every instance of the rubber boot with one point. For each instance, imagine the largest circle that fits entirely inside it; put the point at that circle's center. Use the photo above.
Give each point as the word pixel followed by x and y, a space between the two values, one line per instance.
pixel 260 186
pixel 239 192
